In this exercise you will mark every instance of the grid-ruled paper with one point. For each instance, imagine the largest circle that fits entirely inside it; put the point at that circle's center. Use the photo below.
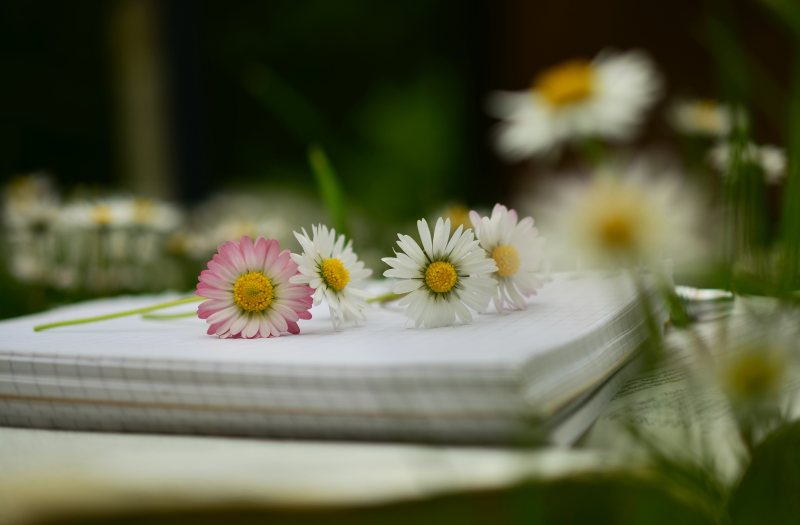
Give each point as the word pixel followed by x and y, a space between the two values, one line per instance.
pixel 381 379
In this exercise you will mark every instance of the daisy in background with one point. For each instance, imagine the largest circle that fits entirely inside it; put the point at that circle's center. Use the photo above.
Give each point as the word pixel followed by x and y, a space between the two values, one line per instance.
pixel 604 98
pixel 154 215
pixel 30 206
pixel 269 213
pixel 755 373
pixel 628 216
pixel 771 160
pixel 445 278
pixel 333 271
pixel 517 250
pixel 105 213
pixel 121 212
pixel 30 202
pixel 702 117
pixel 458 214
pixel 249 293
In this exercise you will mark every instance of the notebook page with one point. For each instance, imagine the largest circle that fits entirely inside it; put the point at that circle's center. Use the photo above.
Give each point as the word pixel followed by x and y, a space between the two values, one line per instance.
pixel 565 310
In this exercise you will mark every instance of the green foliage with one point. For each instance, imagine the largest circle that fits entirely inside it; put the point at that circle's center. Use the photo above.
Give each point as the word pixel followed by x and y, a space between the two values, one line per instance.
pixel 791 209
pixel 411 156
pixel 330 189
pixel 770 488
pixel 285 103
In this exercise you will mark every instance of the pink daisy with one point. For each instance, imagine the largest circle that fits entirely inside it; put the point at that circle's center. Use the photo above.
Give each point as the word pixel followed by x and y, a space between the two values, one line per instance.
pixel 248 291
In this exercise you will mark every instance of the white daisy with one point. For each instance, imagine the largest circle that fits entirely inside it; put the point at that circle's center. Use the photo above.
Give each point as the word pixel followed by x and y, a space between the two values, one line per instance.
pixel 154 215
pixel 101 213
pixel 769 159
pixel 333 270
pixel 516 248
pixel 30 202
pixel 458 214
pixel 445 278
pixel 702 117
pixel 632 218
pixel 202 241
pixel 604 98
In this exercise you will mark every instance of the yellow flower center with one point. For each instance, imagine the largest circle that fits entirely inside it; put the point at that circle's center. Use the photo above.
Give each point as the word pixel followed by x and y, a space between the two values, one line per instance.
pixel 617 233
pixel 335 274
pixel 143 211
pixel 707 115
pixel 441 276
pixel 253 292
pixel 458 215
pixel 101 215
pixel 507 259
pixel 566 84
pixel 753 375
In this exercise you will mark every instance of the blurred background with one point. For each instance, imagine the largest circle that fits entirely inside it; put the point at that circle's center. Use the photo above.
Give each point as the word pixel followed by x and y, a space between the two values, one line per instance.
pixel 190 121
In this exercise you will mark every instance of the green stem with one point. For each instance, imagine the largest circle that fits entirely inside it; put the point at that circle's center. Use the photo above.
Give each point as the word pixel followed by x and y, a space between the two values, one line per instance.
pixel 651 320
pixel 164 317
pixel 386 298
pixel 104 317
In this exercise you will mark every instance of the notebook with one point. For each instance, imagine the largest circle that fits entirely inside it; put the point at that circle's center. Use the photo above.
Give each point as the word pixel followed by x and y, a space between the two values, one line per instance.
pixel 489 381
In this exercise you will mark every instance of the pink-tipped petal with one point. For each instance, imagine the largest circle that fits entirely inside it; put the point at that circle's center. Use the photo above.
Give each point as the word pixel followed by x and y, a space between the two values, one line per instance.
pixel 261 251
pixel 273 248
pixel 278 321
pixel 225 317
pixel 249 254
pixel 232 254
pixel 212 279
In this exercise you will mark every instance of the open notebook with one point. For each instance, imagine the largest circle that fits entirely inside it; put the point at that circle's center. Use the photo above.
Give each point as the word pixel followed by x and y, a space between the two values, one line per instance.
pixel 485 382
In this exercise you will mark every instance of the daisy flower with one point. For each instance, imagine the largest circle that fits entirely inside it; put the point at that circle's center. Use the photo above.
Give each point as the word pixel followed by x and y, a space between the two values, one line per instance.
pixel 333 271
pixel 629 219
pixel 154 215
pixel 445 278
pixel 754 373
pixel 771 160
pixel 701 117
pixel 30 202
pixel 108 213
pixel 249 293
pixel 604 98
pixel 457 213
pixel 516 248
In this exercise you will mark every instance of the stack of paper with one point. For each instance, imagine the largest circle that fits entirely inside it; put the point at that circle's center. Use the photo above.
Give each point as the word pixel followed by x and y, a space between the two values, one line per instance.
pixel 554 365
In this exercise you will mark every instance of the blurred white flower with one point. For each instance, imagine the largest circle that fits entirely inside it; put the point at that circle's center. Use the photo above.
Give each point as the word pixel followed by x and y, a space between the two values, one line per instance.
pixel 579 99
pixel 458 214
pixel 200 243
pixel 701 117
pixel 755 361
pixel 30 201
pixel 122 212
pixel 112 212
pixel 30 208
pixel 156 215
pixel 770 159
pixel 629 216
pixel 754 373
pixel 227 217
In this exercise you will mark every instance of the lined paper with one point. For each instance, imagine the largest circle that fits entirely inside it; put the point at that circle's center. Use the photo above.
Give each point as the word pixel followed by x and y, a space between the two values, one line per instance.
pixel 384 378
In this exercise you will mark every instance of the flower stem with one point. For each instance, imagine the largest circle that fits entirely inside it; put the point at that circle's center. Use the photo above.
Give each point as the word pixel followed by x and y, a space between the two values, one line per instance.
pixel 164 317
pixel 104 317
pixel 386 298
